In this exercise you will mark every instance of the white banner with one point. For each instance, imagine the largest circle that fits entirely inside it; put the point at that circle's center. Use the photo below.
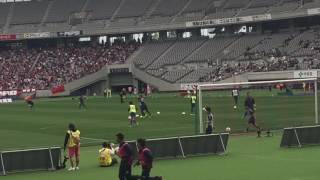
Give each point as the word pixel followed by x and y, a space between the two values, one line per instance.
pixel 305 74
pixel 313 11
pixel 190 87
pixel 233 20
pixel 5 101
pixel 8 93
pixel 36 35
pixel 69 33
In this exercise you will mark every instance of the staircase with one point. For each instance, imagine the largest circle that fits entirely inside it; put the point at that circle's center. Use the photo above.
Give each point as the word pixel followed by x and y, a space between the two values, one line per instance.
pixel 163 54
pixel 87 80
pixel 195 51
pixel 45 16
pixel 151 9
pixel 34 63
pixel 9 17
pixel 160 84
pixel 117 10
pixel 181 11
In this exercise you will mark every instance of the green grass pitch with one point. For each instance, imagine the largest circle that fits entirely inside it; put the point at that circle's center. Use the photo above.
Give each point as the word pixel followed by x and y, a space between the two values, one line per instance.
pixel 248 157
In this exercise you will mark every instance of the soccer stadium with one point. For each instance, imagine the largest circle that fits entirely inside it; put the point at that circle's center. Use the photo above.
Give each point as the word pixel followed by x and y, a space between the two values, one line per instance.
pixel 159 89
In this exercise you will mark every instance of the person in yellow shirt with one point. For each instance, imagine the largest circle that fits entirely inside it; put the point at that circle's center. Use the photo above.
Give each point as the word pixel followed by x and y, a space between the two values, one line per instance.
pixel 106 155
pixel 72 141
pixel 132 114
pixel 193 103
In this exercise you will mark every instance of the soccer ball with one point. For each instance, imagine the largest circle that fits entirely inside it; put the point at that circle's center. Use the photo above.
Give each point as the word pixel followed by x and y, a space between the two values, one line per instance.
pixel 158 112
pixel 183 113
pixel 204 109
pixel 234 107
pixel 129 118
pixel 228 129
pixel 137 115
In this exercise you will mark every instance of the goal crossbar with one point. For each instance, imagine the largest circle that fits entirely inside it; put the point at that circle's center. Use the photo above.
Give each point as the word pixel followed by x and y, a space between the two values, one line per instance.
pixel 257 82
pixel 201 87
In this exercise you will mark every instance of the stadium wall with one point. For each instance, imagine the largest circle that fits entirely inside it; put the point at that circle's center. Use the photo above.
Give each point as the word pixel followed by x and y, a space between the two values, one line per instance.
pixel 292 74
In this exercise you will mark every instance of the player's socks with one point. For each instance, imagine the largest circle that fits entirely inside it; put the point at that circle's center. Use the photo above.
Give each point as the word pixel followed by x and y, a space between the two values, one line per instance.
pixel 247 130
pixel 259 133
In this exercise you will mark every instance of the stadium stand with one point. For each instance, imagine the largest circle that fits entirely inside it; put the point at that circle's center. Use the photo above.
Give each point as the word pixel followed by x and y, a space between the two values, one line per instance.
pixel 115 14
pixel 175 6
pixel 176 61
pixel 48 67
pixel 211 48
pixel 62 9
pixel 134 8
pixel 22 15
pixel 156 20
pixel 150 52
pixel 22 28
pixel 177 52
pixel 197 6
pixel 102 9
pixel 123 22
pixel 285 6
pixel 4 10
pixel 196 75
pixel 236 55
pixel 55 27
pixel 173 76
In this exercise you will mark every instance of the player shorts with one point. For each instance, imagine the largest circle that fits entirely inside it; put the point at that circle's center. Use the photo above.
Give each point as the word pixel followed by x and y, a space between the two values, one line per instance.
pixel 74 151
pixel 133 115
pixel 30 103
pixel 252 120
pixel 209 130
pixel 235 99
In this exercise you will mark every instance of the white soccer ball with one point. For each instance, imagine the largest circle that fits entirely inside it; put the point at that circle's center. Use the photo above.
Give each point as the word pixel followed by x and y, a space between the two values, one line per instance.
pixel 137 115
pixel 235 107
pixel 183 113
pixel 228 129
pixel 204 109
pixel 158 112
pixel 129 117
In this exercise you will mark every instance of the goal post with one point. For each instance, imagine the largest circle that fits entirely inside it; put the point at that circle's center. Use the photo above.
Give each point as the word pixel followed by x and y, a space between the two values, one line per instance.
pixel 203 89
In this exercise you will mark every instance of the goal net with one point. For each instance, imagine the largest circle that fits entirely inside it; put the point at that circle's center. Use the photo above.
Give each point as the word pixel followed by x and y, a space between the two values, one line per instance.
pixel 277 104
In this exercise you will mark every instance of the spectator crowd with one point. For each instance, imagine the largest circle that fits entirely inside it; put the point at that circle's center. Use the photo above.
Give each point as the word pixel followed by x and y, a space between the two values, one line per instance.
pixel 44 68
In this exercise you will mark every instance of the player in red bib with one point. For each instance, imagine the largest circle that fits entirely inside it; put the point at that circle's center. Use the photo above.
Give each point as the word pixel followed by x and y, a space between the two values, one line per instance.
pixel 126 155
pixel 28 100
pixel 145 161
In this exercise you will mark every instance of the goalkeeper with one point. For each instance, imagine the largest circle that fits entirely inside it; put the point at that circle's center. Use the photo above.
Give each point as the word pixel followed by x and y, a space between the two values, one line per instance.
pixel 210 127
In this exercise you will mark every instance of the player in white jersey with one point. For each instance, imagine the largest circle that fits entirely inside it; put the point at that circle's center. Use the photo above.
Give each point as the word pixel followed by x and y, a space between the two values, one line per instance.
pixel 235 95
